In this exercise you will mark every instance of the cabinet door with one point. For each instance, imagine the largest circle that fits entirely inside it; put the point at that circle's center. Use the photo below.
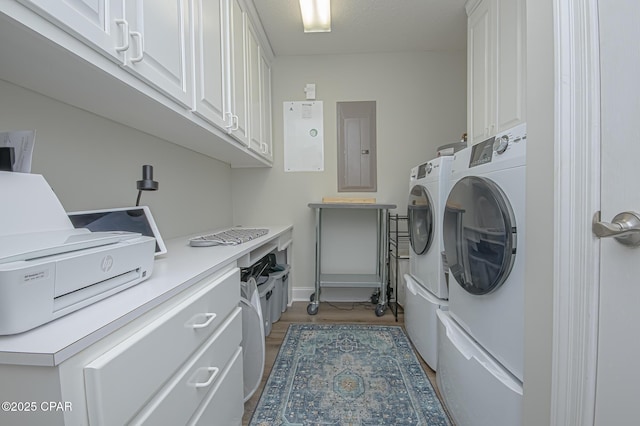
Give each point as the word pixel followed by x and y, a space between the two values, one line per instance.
pixel 239 78
pixel 99 22
pixel 265 105
pixel 160 51
pixel 184 392
pixel 223 403
pixel 510 71
pixel 145 360
pixel 211 62
pixel 253 64
pixel 480 71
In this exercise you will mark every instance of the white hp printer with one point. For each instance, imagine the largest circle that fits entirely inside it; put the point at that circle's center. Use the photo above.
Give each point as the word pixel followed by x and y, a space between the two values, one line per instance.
pixel 47 267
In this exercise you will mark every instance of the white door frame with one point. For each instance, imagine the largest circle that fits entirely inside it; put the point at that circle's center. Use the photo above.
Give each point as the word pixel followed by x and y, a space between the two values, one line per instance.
pixel 576 276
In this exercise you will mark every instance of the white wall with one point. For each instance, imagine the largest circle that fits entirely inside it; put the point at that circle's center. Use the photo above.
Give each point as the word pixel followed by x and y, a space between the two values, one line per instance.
pixel 421 104
pixel 540 223
pixel 91 162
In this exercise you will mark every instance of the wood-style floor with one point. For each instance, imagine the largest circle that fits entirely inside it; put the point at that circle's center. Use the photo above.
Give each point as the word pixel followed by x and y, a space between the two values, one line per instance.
pixel 332 313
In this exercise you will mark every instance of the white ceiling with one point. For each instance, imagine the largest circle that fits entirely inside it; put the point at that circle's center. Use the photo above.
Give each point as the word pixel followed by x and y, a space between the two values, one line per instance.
pixel 367 26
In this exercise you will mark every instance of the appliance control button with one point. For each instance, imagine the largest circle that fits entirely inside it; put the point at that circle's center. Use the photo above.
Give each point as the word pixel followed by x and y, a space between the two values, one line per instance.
pixel 500 145
pixel 429 168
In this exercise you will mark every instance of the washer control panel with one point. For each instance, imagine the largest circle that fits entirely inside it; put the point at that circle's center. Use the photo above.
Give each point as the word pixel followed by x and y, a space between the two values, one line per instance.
pixel 490 149
pixel 511 136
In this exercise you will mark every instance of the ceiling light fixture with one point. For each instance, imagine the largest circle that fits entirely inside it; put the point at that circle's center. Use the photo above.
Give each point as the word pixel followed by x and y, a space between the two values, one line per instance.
pixel 316 15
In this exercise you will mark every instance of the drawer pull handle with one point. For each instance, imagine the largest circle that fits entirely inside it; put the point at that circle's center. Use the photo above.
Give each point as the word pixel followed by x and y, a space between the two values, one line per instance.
pixel 210 317
pixel 214 372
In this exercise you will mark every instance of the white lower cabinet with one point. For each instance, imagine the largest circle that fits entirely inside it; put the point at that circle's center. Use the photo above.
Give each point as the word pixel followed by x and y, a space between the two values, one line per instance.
pixel 206 375
pixel 162 368
pixel 217 408
pixel 121 381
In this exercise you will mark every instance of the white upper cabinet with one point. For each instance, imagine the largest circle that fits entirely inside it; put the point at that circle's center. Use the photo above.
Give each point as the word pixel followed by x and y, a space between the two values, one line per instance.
pixel 259 91
pixel 266 145
pixel 496 73
pixel 480 61
pixel 239 79
pixel 253 68
pixel 230 70
pixel 98 22
pixel 160 45
pixel 193 72
pixel 211 64
pixel 510 64
pixel 148 37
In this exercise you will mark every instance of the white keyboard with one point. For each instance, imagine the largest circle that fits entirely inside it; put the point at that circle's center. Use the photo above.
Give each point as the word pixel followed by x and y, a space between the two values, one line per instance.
pixel 230 237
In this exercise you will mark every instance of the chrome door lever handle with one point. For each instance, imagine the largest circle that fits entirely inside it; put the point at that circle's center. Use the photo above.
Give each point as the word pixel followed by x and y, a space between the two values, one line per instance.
pixel 625 228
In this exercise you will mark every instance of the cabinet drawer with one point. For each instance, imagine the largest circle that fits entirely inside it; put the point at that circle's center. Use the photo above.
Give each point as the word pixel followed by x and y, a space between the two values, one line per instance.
pixel 177 401
pixel 223 405
pixel 124 378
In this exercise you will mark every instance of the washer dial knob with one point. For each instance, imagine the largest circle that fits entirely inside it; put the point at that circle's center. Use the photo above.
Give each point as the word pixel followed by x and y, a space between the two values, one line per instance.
pixel 429 168
pixel 500 145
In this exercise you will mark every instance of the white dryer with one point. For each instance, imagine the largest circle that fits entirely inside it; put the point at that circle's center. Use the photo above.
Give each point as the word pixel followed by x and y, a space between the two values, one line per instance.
pixel 484 234
pixel 428 186
pixel 426 284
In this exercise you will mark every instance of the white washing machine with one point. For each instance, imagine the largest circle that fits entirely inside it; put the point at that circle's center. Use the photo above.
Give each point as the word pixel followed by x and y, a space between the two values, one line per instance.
pixel 484 234
pixel 475 388
pixel 426 283
pixel 428 186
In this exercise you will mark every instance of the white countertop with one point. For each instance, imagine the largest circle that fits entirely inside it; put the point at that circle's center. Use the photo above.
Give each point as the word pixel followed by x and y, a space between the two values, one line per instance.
pixel 182 266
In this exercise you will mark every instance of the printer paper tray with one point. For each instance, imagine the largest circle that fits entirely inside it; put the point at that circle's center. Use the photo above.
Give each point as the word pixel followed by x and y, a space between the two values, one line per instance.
pixel 118 282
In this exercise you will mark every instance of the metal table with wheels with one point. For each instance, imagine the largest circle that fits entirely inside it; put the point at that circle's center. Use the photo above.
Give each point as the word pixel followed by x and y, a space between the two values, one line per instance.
pixel 377 280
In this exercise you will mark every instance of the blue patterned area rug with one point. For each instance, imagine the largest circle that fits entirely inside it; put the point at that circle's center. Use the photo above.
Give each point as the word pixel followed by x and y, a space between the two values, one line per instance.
pixel 347 375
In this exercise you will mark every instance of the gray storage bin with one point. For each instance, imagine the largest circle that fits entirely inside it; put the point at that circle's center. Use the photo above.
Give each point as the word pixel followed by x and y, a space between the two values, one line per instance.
pixel 276 299
pixel 265 290
pixel 282 285
pixel 280 292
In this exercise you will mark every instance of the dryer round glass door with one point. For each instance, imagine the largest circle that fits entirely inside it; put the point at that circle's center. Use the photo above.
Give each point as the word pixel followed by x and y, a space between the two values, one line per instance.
pixel 421 219
pixel 479 231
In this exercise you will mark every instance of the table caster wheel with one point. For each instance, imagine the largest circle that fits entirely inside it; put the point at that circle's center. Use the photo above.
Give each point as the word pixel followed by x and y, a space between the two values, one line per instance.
pixel 380 310
pixel 312 309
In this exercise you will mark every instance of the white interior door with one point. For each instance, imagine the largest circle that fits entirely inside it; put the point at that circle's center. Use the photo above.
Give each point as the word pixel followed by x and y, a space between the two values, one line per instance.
pixel 618 375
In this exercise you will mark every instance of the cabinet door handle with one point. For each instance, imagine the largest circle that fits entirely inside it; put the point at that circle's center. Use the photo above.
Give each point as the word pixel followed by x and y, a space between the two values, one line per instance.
pixel 125 35
pixel 214 372
pixel 140 41
pixel 210 317
pixel 235 123
pixel 230 125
